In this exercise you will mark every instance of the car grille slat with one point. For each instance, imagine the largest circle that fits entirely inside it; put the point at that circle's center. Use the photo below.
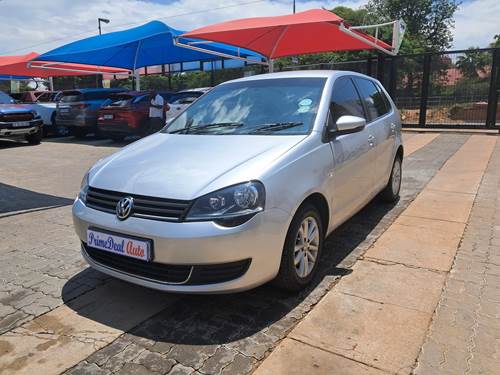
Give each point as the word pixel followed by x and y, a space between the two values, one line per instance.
pixel 12 117
pixel 152 208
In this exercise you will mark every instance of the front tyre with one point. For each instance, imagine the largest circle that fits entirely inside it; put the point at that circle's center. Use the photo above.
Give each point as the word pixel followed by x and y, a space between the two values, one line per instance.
pixel 391 191
pixel 303 245
pixel 36 138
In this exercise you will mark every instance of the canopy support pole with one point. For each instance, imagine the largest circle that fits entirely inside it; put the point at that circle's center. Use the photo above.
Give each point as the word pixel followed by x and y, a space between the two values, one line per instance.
pixel 270 64
pixel 137 79
pixel 51 83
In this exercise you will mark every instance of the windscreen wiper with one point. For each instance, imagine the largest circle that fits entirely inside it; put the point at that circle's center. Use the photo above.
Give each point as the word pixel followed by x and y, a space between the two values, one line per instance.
pixel 200 128
pixel 275 127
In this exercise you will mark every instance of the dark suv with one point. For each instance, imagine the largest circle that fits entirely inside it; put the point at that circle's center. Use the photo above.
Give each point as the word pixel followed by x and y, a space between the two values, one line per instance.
pixel 18 121
pixel 77 109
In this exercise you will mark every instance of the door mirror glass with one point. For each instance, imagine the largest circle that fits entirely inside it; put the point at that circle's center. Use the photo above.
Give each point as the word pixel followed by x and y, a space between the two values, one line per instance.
pixel 349 124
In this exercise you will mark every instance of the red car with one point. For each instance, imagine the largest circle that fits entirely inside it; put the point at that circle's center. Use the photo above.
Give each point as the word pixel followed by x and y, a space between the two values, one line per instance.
pixel 126 114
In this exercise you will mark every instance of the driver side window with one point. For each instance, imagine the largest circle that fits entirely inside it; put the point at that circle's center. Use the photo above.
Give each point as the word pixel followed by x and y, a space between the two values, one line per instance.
pixel 345 101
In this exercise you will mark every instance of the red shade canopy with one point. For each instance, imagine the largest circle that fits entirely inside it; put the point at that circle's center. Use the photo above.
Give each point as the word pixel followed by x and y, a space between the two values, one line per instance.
pixel 18 66
pixel 312 31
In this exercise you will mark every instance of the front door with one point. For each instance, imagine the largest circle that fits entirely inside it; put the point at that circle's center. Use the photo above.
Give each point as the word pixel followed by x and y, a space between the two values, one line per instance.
pixel 353 155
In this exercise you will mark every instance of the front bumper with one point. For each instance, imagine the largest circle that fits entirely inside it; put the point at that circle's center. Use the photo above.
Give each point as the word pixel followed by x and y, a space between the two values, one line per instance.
pixel 260 240
pixel 117 128
pixel 7 130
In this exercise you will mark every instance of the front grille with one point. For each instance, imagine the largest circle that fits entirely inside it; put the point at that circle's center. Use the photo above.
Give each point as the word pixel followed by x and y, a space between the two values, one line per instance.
pixel 144 207
pixel 13 117
pixel 169 273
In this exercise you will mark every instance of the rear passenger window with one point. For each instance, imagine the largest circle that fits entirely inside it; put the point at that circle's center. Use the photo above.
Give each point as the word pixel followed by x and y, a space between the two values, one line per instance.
pixel 374 99
pixel 345 100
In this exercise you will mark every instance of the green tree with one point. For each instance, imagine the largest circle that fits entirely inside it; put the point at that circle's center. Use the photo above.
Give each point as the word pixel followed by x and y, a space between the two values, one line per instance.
pixel 429 22
pixel 473 62
pixel 496 41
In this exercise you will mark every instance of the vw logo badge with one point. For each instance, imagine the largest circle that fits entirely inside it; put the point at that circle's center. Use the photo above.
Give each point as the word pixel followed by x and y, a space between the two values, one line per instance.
pixel 124 208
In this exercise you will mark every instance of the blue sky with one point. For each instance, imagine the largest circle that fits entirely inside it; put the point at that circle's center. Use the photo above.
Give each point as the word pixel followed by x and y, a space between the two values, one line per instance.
pixel 45 24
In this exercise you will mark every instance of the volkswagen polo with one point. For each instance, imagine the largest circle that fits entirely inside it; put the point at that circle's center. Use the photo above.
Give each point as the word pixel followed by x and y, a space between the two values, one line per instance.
pixel 244 185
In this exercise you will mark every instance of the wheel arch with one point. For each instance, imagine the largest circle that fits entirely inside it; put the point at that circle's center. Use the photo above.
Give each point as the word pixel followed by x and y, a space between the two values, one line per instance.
pixel 319 201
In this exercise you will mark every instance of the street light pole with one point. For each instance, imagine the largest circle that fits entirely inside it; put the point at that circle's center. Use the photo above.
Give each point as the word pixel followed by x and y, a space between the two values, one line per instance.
pixel 293 6
pixel 99 20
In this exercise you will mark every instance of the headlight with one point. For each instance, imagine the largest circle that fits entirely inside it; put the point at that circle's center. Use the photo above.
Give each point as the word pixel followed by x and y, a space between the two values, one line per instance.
pixel 84 187
pixel 242 200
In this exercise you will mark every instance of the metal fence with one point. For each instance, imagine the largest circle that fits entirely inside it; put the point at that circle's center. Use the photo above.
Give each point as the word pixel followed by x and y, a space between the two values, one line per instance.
pixel 453 89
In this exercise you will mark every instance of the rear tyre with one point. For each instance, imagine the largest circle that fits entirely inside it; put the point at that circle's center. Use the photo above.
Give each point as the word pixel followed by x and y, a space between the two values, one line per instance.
pixel 35 139
pixel 302 250
pixel 79 133
pixel 391 191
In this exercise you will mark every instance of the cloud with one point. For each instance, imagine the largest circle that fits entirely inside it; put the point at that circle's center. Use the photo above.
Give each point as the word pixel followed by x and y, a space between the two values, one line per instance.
pixel 46 24
pixel 476 22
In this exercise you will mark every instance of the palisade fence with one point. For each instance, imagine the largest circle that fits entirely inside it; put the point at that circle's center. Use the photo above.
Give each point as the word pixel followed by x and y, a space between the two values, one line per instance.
pixel 452 89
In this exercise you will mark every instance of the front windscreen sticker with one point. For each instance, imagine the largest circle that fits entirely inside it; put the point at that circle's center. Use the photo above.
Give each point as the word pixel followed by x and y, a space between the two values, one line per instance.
pixel 303 109
pixel 305 102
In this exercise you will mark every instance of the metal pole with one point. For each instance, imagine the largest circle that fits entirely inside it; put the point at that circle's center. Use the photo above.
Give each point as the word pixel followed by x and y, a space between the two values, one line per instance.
pixel 494 88
pixel 99 25
pixel 137 80
pixel 51 83
pixel 293 6
pixel 424 96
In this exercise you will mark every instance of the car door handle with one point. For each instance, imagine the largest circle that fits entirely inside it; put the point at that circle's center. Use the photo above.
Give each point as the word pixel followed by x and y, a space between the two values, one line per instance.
pixel 371 140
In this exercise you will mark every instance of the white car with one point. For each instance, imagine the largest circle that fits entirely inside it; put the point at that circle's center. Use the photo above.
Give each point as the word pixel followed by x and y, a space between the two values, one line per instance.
pixel 244 185
pixel 183 99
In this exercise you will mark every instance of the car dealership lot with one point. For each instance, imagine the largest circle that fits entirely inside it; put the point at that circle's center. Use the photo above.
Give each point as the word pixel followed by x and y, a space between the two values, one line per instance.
pixel 57 315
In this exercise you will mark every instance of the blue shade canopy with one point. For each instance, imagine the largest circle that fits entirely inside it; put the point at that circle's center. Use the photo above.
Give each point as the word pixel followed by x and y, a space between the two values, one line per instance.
pixel 19 78
pixel 147 45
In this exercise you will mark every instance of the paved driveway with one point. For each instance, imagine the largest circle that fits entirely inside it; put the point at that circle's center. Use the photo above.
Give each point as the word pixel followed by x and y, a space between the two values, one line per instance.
pixel 57 315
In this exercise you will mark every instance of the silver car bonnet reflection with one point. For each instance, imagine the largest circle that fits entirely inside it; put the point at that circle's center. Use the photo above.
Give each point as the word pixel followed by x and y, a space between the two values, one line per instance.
pixel 187 166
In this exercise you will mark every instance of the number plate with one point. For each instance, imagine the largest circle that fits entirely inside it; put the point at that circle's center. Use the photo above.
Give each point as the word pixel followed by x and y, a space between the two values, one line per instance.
pixel 20 124
pixel 108 117
pixel 118 244
pixel 64 110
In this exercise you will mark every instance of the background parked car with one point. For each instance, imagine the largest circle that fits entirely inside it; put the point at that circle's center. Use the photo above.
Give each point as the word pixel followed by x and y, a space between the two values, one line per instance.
pixel 183 99
pixel 77 109
pixel 44 103
pixel 126 114
pixel 19 121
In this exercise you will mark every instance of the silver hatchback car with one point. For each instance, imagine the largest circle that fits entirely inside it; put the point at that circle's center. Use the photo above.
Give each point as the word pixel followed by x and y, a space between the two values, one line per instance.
pixel 243 186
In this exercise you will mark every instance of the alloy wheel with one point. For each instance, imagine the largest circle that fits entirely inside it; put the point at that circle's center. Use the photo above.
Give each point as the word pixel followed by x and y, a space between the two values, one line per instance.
pixel 306 247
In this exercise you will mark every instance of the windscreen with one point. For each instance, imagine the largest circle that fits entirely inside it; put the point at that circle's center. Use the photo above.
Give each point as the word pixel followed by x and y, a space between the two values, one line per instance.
pixel 69 97
pixel 278 106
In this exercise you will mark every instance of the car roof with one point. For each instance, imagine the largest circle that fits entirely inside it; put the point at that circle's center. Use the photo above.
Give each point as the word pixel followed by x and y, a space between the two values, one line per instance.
pixel 300 74
pixel 200 89
pixel 96 90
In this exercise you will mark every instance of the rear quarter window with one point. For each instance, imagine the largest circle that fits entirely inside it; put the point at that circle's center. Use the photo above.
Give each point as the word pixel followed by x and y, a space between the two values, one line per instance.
pixel 373 98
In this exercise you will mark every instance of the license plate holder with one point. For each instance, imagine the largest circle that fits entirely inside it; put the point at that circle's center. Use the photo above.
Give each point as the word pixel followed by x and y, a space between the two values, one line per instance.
pixel 120 244
pixel 20 124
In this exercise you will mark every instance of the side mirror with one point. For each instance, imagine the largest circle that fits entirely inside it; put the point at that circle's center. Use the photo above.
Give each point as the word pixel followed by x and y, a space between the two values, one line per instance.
pixel 349 124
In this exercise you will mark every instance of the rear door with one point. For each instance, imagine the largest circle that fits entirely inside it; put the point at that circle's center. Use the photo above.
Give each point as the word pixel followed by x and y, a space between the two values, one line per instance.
pixel 353 172
pixel 383 128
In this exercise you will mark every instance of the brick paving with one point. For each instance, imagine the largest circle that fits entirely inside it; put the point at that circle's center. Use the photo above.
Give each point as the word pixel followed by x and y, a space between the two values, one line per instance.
pixel 464 337
pixel 192 334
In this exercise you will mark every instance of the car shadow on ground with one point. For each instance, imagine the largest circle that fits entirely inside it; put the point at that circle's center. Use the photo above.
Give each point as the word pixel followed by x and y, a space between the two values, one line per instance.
pixel 222 319
pixel 12 143
pixel 13 199
pixel 91 140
